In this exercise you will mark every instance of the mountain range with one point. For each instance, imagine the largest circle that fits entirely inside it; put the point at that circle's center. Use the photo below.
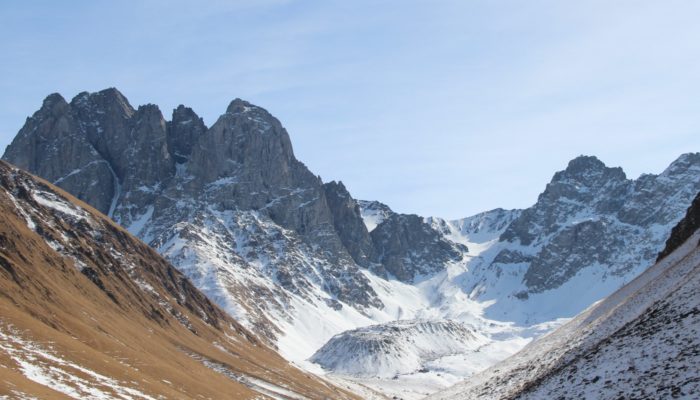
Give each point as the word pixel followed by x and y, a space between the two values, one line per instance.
pixel 314 272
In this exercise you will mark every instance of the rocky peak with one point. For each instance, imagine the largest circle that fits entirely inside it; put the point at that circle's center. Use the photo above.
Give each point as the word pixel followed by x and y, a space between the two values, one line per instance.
pixel 54 104
pixel 688 162
pixel 373 213
pixel 108 101
pixel 237 106
pixel 143 156
pixel 586 184
pixel 183 132
pixel 587 215
pixel 240 138
pixel 588 171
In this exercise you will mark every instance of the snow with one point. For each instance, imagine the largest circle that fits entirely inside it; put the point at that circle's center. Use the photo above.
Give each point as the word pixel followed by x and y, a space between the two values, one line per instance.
pixel 398 347
pixel 137 226
pixel 607 350
pixel 30 223
pixel 117 189
pixel 373 213
pixel 53 201
pixel 44 367
pixel 265 388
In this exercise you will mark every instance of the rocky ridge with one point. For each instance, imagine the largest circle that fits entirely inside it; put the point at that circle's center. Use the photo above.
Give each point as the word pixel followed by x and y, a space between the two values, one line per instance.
pixel 591 222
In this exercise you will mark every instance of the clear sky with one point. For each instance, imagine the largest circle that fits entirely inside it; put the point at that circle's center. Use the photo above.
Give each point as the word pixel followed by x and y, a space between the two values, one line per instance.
pixel 440 108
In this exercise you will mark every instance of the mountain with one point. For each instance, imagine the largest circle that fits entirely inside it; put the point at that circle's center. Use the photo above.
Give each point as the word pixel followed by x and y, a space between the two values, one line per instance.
pixel 89 311
pixel 299 261
pixel 641 342
pixel 231 207
pixel 590 231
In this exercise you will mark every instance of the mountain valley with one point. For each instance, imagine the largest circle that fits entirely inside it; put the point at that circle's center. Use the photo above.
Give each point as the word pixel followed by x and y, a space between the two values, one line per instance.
pixel 348 288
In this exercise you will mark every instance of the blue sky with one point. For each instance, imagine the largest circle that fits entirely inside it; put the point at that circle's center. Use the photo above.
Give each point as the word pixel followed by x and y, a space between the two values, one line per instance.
pixel 441 108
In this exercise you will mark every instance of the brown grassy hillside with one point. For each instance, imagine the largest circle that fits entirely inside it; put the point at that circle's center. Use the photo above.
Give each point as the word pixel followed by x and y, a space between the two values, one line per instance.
pixel 88 311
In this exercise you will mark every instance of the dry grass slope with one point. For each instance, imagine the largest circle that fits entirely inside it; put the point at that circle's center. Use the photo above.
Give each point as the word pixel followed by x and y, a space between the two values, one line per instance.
pixel 88 311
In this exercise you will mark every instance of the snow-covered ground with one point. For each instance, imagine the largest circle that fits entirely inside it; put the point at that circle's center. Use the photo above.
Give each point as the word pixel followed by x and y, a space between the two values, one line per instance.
pixel 470 292
pixel 40 364
pixel 414 364
pixel 640 342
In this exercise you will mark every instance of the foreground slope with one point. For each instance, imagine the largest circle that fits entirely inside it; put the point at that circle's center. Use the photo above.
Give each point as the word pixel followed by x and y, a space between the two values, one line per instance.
pixel 88 311
pixel 643 341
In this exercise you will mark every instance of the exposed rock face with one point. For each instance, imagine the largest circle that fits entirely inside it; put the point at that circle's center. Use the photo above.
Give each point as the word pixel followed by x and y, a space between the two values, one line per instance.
pixel 347 219
pixel 592 215
pixel 684 230
pixel 54 145
pixel 183 133
pixel 407 247
pixel 586 182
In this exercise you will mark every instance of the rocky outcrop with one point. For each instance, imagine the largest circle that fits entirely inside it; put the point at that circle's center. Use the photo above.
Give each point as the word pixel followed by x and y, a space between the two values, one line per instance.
pixel 373 213
pixel 347 219
pixel 53 144
pixel 184 131
pixel 408 247
pixel 684 230
pixel 586 184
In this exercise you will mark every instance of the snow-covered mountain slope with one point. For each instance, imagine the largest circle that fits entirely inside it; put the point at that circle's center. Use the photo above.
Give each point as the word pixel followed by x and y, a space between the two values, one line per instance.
pixel 298 261
pixel 398 347
pixel 641 342
pixel 591 231
pixel 87 311
pixel 478 232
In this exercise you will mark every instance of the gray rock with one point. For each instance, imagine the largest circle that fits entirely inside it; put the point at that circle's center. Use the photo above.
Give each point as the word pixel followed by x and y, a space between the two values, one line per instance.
pixel 592 215
pixel 183 132
pixel 347 220
pixel 53 144
pixel 407 247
